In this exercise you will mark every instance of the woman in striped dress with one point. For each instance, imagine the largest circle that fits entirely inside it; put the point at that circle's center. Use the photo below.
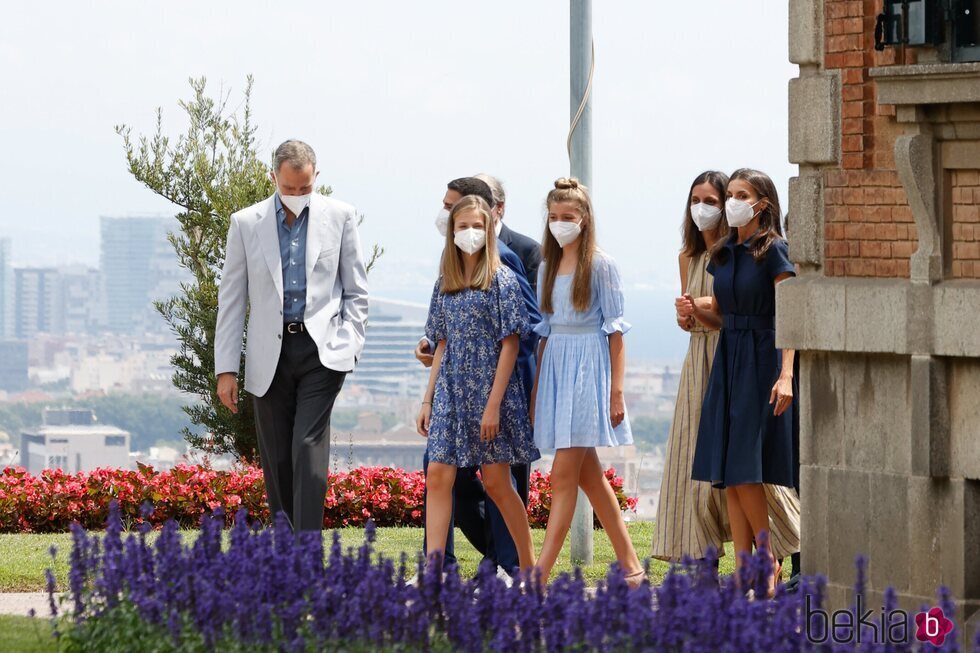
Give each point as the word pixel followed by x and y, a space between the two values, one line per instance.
pixel 691 515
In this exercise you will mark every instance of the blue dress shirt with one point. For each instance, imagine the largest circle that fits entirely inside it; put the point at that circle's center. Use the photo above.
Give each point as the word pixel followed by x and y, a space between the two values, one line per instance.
pixel 292 253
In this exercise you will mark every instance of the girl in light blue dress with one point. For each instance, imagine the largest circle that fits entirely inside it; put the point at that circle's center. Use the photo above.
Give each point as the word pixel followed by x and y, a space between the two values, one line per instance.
pixel 578 393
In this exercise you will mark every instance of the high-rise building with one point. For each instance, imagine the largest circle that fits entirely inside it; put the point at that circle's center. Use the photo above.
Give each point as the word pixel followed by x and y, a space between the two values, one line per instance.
pixel 81 305
pixel 387 366
pixel 13 365
pixel 62 301
pixel 36 301
pixel 139 266
pixel 6 290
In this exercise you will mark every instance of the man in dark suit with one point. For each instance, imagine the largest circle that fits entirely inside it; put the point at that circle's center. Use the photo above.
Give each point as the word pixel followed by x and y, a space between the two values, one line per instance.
pixel 527 249
pixel 473 512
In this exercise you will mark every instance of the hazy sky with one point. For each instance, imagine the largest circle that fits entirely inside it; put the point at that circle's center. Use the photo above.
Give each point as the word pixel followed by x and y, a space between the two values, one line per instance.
pixel 397 98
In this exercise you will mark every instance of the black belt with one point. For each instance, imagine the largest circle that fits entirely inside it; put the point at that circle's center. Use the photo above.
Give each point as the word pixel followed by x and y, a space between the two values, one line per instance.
pixel 294 327
pixel 748 322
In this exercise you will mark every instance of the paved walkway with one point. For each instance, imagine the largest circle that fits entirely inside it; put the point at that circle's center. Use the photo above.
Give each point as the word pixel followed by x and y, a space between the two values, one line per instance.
pixel 20 603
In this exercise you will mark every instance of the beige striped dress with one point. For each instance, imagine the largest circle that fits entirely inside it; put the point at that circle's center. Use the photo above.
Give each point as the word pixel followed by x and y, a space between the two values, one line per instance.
pixel 691 515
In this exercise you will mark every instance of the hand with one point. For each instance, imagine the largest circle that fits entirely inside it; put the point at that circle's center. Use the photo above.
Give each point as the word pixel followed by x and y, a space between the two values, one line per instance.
pixel 423 419
pixel 228 391
pixel 617 408
pixel 781 395
pixel 685 323
pixel 422 353
pixel 490 424
pixel 685 305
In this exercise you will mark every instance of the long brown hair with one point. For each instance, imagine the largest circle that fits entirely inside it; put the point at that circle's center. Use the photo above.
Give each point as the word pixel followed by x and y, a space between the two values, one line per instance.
pixel 570 190
pixel 693 238
pixel 451 268
pixel 770 219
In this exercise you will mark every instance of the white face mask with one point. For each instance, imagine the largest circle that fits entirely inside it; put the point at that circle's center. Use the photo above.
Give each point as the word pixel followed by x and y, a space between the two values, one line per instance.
pixel 295 203
pixel 565 232
pixel 470 240
pixel 498 227
pixel 739 212
pixel 442 221
pixel 705 216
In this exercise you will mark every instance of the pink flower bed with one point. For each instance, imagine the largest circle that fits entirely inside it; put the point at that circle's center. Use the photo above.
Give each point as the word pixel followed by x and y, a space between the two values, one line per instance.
pixel 53 499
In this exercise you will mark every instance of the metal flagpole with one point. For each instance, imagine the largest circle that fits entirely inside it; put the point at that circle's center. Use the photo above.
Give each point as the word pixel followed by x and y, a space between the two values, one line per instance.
pixel 582 58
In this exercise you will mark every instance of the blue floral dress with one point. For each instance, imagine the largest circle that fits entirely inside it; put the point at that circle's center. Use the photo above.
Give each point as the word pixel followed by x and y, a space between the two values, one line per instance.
pixel 473 323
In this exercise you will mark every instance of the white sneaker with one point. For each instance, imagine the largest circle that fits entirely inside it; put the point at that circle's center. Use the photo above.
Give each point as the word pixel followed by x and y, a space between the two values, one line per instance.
pixel 504 576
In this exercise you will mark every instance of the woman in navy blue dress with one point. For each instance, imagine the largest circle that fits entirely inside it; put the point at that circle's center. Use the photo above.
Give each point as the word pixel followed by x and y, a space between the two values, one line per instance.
pixel 746 434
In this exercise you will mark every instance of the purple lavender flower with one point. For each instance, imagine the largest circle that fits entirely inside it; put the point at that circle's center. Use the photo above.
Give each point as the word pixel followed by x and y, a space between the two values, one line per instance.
pixel 272 589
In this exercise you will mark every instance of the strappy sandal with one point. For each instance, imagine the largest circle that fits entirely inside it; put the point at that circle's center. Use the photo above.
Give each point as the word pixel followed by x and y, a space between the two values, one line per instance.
pixel 635 579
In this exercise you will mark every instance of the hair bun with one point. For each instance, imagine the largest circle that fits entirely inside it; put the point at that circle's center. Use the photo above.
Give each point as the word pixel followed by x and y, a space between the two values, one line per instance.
pixel 565 183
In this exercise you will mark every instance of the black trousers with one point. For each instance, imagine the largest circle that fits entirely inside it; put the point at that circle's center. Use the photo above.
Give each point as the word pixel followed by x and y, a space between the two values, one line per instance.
pixel 293 424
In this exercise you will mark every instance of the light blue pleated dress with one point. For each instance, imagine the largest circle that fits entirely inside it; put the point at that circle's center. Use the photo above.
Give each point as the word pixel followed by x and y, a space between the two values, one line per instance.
pixel 571 408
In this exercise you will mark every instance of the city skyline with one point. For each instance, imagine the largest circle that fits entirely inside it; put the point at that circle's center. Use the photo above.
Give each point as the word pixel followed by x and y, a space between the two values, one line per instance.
pixel 393 118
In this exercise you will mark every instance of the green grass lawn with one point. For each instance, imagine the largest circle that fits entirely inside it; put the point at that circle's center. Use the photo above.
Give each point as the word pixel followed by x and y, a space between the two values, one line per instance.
pixel 24 557
pixel 26 635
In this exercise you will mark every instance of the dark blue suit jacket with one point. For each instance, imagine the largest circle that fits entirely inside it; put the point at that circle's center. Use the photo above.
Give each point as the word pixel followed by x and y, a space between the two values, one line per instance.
pixel 527 360
pixel 527 249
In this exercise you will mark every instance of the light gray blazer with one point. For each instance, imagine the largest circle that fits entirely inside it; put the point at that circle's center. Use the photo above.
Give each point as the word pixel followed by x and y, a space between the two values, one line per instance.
pixel 336 291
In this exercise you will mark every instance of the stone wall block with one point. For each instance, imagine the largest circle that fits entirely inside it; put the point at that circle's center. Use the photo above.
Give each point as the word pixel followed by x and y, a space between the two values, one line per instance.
pixel 814 524
pixel 889 542
pixel 814 119
pixel 877 417
pixel 849 499
pixel 876 316
pixel 805 220
pixel 822 392
pixel 963 397
pixel 806 32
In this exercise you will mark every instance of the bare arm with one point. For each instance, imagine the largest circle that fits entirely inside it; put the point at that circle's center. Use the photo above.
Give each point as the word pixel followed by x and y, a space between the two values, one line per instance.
pixel 617 357
pixel 423 352
pixel 490 426
pixel 706 311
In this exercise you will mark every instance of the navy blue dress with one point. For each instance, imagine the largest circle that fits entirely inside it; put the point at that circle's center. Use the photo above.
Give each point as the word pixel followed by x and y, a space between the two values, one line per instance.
pixel 739 439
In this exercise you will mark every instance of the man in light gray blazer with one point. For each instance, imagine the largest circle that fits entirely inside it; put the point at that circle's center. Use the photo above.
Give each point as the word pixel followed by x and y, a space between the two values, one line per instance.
pixel 294 262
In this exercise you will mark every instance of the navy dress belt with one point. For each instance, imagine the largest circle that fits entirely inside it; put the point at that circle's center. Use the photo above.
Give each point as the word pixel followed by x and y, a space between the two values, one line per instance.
pixel 748 322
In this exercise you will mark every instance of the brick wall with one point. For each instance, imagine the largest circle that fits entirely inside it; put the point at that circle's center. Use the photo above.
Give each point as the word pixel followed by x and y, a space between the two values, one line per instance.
pixel 869 231
pixel 868 226
pixel 965 214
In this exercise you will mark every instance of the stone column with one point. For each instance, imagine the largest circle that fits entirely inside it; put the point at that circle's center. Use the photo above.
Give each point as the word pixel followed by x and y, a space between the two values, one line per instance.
pixel 888 344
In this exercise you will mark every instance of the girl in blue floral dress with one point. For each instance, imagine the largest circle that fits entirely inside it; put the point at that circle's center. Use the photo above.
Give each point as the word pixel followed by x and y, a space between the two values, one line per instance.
pixel 474 411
